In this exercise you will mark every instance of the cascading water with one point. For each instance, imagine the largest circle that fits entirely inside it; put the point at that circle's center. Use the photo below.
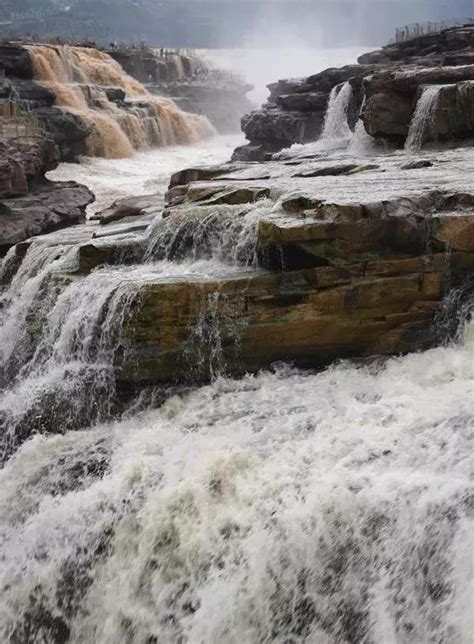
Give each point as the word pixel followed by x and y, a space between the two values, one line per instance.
pixel 289 506
pixel 336 132
pixel 362 143
pixel 60 338
pixel 336 129
pixel 77 76
pixel 420 126
pixel 228 236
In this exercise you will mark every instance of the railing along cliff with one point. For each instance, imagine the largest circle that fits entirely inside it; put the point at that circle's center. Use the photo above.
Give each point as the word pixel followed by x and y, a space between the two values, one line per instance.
pixel 418 29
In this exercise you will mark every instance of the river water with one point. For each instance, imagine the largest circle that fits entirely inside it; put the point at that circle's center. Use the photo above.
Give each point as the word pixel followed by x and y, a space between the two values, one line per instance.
pixel 147 172
pixel 287 506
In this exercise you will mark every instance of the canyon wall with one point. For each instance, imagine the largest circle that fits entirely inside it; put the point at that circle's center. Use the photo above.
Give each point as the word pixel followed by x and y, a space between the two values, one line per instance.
pixel 89 104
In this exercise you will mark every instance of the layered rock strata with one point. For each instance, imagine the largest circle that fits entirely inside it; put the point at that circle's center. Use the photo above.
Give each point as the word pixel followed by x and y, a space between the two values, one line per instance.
pixel 311 261
pixel 387 86
pixel 29 204
pixel 339 276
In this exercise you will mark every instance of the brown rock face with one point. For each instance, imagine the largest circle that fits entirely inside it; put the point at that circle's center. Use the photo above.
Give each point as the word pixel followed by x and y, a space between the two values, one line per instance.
pixel 30 205
pixel 309 317
pixel 23 161
pixel 336 277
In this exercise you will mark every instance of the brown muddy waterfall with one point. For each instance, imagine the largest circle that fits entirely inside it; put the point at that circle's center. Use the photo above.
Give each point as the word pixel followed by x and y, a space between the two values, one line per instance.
pixel 80 78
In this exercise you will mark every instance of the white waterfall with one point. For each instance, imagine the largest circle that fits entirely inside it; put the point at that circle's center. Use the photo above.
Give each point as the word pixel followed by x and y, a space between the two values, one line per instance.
pixel 336 129
pixel 336 132
pixel 362 143
pixel 288 506
pixel 421 122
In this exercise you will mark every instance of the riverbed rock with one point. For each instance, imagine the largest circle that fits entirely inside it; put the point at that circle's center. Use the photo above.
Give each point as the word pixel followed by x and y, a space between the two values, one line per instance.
pixel 416 165
pixel 24 160
pixel 347 269
pixel 48 207
pixel 130 207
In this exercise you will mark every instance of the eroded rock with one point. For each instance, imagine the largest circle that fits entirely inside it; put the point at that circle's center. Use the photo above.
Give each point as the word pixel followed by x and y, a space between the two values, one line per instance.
pixel 46 208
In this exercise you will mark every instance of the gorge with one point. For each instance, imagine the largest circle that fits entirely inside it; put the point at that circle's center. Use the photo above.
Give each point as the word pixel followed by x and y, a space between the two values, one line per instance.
pixel 236 398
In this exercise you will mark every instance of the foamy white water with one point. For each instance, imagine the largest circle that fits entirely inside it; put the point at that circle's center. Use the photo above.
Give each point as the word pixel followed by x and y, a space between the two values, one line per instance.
pixel 424 112
pixel 288 506
pixel 336 134
pixel 146 172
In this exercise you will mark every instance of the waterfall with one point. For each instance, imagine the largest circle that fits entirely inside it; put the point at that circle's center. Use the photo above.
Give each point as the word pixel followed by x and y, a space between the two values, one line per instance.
pixel 361 143
pixel 420 126
pixel 215 336
pixel 287 506
pixel 60 336
pixel 336 131
pixel 59 340
pixel 228 235
pixel 78 76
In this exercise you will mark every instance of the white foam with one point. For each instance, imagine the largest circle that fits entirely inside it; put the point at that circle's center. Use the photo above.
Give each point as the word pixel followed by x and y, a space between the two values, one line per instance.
pixel 323 507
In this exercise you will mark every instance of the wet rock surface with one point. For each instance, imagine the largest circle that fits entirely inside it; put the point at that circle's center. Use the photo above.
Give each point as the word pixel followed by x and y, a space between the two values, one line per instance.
pixel 345 278
pixel 130 207
pixel 317 260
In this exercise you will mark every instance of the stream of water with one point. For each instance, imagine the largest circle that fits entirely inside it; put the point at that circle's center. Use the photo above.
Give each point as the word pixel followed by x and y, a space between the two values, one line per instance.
pixel 289 506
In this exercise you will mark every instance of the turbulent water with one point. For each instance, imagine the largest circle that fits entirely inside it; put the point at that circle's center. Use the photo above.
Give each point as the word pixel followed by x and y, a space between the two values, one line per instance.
pixel 146 173
pixel 284 507
pixel 80 79
pixel 289 506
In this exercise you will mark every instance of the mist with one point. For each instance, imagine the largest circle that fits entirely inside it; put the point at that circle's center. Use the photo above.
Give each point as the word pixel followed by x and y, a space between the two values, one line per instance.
pixel 301 37
pixel 227 23
pixel 324 23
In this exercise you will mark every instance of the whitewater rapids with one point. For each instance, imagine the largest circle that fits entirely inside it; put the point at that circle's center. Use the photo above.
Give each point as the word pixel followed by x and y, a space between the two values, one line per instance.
pixel 289 506
pixel 284 507
pixel 146 172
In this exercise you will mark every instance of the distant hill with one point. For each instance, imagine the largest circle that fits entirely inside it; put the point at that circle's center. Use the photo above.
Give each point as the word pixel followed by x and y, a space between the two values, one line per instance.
pixel 224 23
